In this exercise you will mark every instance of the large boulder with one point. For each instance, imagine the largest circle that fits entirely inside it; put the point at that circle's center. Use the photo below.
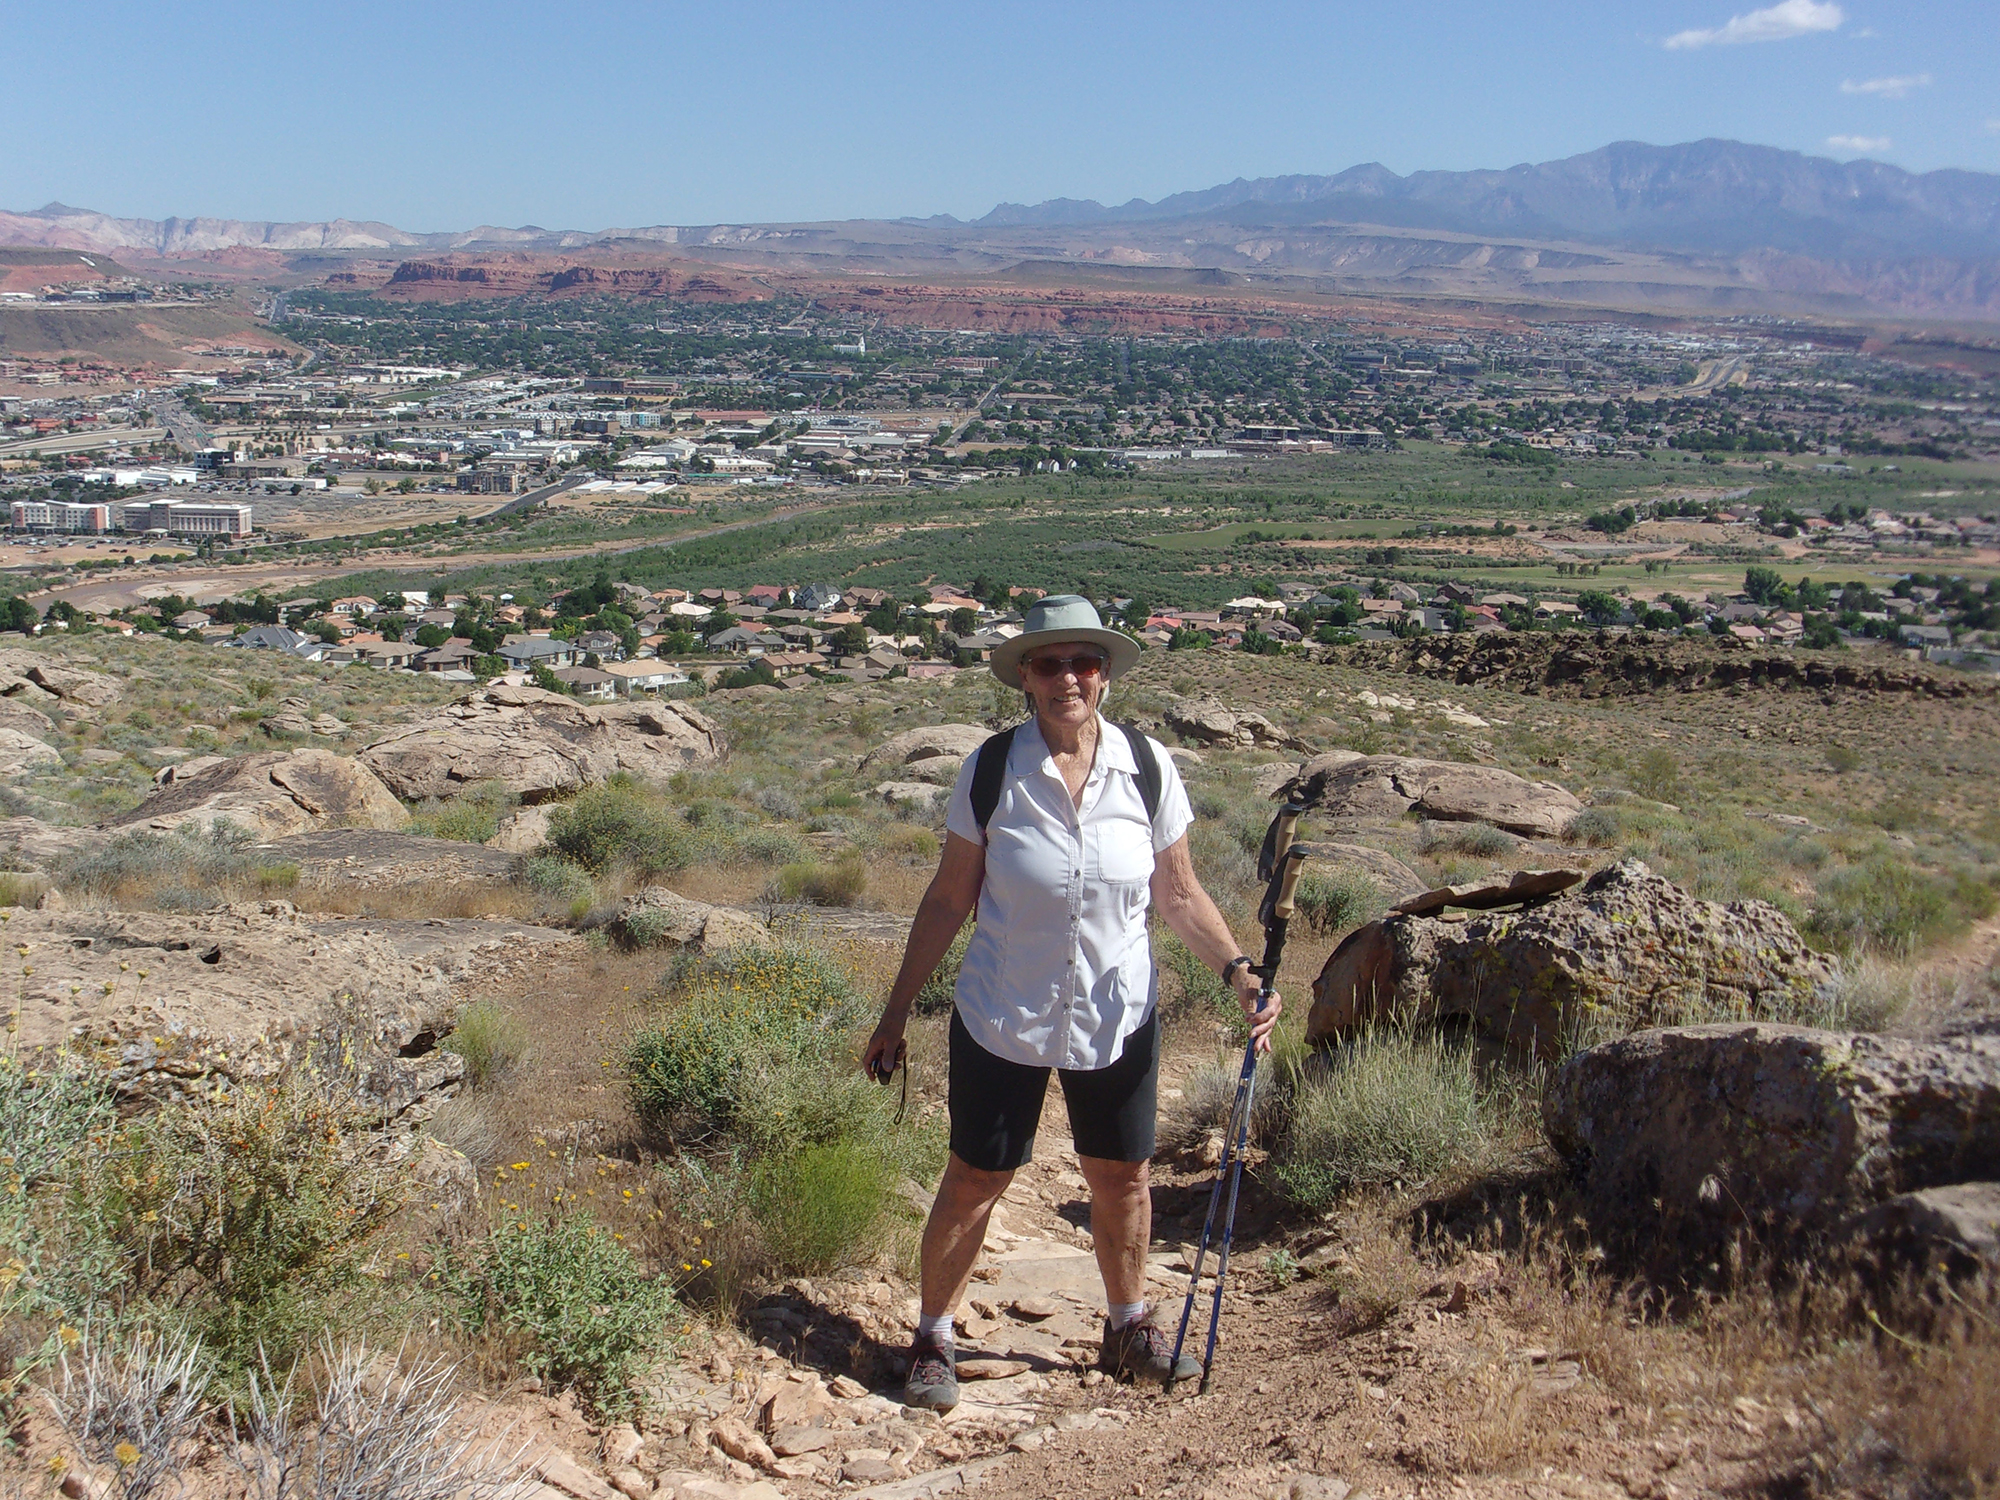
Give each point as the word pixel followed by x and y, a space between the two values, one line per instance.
pixel 933 753
pixel 233 996
pixel 1210 722
pixel 272 794
pixel 540 745
pixel 1390 786
pixel 1952 1231
pixel 36 678
pixel 21 753
pixel 1626 944
pixel 655 917
pixel 1701 1130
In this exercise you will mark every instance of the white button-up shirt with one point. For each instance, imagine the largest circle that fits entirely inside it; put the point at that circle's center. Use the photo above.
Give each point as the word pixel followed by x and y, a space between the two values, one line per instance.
pixel 1060 971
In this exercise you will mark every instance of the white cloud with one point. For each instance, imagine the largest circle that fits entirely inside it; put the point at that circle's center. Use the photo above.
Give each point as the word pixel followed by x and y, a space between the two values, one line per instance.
pixel 1775 23
pixel 1887 88
pixel 1863 145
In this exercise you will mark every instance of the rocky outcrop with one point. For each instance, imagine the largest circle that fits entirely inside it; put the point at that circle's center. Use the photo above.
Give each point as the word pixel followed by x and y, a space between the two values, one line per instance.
pixel 1344 785
pixel 1394 879
pixel 372 859
pixel 294 718
pixel 21 753
pixel 1625 946
pixel 1209 722
pixel 232 996
pixel 1707 1129
pixel 35 678
pixel 272 794
pixel 656 917
pixel 540 745
pixel 522 831
pixel 930 754
pixel 1949 1231
pixel 921 796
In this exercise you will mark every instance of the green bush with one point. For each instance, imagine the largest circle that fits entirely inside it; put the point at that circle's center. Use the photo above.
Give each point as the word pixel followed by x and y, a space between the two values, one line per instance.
pixel 1480 840
pixel 54 1122
pixel 560 879
pixel 1889 905
pixel 1594 827
pixel 250 1216
pixel 1656 774
pixel 18 889
pixel 1391 1106
pixel 188 868
pixel 1334 902
pixel 618 826
pixel 822 1206
pixel 841 883
pixel 583 1309
pixel 941 989
pixel 490 1039
pixel 1201 987
pixel 768 846
pixel 742 1015
pixel 472 817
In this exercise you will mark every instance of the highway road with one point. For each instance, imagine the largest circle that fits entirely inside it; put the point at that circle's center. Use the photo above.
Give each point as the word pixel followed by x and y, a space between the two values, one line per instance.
pixel 83 442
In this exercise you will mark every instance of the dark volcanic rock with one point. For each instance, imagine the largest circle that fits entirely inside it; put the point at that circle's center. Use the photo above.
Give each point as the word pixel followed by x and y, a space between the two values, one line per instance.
pixel 1625 944
pixel 1702 1130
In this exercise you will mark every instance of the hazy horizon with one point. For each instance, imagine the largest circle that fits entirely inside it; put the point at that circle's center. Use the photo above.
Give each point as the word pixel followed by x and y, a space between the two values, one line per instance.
pixel 625 116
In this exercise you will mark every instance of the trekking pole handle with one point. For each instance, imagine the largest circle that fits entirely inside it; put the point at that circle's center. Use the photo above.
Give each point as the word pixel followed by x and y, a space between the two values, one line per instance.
pixel 1284 903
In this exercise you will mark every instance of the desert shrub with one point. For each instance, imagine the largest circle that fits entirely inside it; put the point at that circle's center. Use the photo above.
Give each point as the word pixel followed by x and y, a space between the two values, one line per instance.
pixel 779 802
pixel 1393 1105
pixel 744 1012
pixel 189 867
pixel 907 842
pixel 54 1120
pixel 1840 759
pixel 21 889
pixel 576 1304
pixel 768 846
pixel 1594 827
pixel 838 823
pixel 1201 988
pixel 490 1039
pixel 939 991
pixel 136 1411
pixel 472 817
pixel 1889 905
pixel 843 882
pixel 1333 902
pixel 559 879
pixel 1479 840
pixel 616 826
pixel 1655 774
pixel 821 1206
pixel 248 1216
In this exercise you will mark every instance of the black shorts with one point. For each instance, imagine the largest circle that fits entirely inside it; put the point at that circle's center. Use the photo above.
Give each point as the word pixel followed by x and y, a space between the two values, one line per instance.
pixel 995 1104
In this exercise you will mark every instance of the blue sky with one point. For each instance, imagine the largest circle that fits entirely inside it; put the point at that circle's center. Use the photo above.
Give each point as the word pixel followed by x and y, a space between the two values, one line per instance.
pixel 588 115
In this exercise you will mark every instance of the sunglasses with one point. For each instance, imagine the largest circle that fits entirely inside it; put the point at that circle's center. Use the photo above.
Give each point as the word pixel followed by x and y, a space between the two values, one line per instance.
pixel 1056 666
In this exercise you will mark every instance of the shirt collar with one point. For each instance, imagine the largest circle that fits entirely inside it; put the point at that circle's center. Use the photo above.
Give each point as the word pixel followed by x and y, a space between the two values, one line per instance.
pixel 1114 751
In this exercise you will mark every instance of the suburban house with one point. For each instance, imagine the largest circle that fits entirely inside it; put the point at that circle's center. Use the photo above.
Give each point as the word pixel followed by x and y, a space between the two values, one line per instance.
pixel 588 682
pixel 529 651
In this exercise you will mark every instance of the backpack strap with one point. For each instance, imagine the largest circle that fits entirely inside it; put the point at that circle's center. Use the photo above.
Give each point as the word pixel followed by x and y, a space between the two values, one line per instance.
pixel 1149 770
pixel 989 771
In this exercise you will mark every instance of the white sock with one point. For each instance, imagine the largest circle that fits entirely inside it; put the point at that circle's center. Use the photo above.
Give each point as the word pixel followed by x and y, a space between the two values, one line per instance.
pixel 935 1330
pixel 1124 1314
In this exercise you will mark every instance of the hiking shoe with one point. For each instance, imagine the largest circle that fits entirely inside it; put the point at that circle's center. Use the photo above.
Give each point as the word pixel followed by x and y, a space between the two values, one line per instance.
pixel 1144 1351
pixel 933 1379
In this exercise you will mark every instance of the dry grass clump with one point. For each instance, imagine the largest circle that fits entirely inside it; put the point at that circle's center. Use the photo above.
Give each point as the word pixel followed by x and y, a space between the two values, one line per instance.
pixel 840 882
pixel 1479 840
pixel 190 868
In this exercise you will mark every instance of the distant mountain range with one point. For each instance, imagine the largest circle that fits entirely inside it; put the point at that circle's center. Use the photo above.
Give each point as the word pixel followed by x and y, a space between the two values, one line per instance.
pixel 1718 197
pixel 1710 225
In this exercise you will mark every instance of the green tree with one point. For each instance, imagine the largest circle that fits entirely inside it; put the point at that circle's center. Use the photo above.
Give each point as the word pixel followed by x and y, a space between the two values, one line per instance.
pixel 1764 586
pixel 18 614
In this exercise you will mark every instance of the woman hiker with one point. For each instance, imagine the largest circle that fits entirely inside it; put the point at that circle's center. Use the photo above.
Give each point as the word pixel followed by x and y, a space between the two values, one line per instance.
pixel 1061 831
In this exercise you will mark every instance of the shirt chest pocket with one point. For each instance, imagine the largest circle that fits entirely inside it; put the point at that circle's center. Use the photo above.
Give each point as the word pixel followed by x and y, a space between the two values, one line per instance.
pixel 1119 852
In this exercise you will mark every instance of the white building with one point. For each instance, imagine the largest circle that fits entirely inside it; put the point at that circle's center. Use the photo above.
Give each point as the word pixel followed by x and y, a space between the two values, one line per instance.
pixel 59 515
pixel 188 517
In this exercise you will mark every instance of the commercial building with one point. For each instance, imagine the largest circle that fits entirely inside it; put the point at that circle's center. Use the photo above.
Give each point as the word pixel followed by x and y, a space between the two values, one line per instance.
pixel 59 515
pixel 188 517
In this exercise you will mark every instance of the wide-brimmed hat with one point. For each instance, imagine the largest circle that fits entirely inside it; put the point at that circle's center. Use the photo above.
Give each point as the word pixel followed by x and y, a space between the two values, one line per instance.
pixel 1058 618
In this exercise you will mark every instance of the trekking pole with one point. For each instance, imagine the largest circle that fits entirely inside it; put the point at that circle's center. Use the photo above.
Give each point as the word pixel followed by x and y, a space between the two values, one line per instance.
pixel 1275 914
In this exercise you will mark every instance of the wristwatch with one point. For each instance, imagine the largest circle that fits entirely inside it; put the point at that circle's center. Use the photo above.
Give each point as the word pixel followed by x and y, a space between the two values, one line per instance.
pixel 1241 961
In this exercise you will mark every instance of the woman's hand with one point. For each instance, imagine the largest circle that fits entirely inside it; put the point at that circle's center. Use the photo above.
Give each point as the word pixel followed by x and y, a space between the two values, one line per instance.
pixel 885 1050
pixel 1246 986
